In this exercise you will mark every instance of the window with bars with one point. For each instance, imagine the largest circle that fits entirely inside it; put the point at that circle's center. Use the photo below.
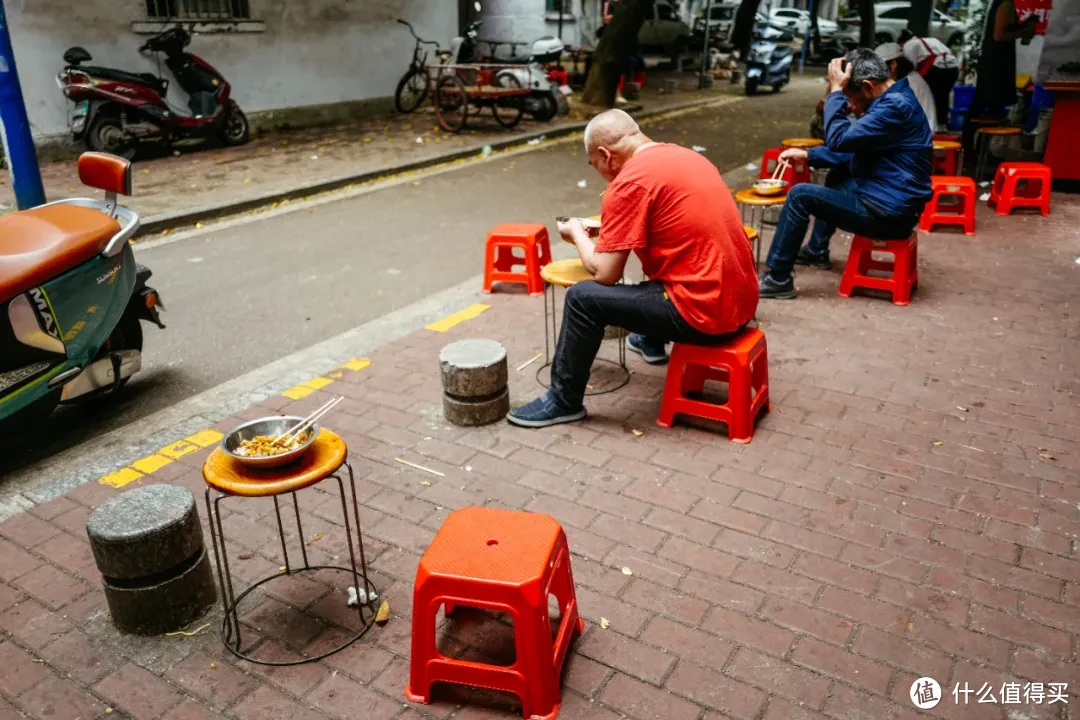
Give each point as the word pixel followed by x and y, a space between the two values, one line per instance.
pixel 205 10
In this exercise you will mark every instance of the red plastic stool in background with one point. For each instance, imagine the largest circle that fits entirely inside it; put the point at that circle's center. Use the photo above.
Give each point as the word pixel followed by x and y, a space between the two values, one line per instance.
pixel 1007 195
pixel 904 268
pixel 798 172
pixel 947 157
pixel 743 364
pixel 637 76
pixel 500 260
pixel 962 213
pixel 504 561
pixel 559 77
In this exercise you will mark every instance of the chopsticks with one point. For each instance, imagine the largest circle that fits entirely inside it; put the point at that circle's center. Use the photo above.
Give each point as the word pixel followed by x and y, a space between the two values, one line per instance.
pixel 308 421
pixel 781 168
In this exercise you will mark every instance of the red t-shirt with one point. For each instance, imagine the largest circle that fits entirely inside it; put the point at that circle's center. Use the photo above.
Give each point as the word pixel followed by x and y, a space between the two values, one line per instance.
pixel 671 207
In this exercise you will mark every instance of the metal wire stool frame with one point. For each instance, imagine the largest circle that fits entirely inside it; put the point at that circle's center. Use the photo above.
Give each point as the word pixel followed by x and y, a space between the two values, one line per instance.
pixel 550 320
pixel 230 623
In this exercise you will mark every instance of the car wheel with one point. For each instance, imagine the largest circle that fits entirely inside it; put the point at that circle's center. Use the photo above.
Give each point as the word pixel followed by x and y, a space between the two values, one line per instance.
pixel 956 41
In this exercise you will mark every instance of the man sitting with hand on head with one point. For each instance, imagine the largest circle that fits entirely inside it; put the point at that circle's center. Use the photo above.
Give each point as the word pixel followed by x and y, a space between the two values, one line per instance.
pixel 880 177
pixel 669 205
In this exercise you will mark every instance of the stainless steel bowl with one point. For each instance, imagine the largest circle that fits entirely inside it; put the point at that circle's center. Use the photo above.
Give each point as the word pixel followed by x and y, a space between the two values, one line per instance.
pixel 770 187
pixel 267 426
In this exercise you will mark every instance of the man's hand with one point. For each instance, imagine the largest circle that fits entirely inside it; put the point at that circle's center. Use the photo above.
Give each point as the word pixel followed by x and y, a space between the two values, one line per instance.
pixel 839 74
pixel 571 229
pixel 794 154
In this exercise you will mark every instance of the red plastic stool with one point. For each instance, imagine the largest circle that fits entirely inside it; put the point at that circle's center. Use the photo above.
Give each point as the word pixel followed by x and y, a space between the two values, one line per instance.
pixel 637 76
pixel 504 561
pixel 798 172
pixel 904 268
pixel 559 77
pixel 1007 195
pixel 743 364
pixel 962 213
pixel 948 156
pixel 500 260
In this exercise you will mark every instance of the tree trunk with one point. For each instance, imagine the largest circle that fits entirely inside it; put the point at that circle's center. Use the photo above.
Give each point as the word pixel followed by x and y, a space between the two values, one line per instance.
pixel 919 17
pixel 611 58
pixel 743 32
pixel 866 26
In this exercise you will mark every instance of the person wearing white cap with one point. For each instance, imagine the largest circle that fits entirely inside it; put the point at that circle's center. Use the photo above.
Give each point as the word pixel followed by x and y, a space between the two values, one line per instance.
pixel 936 63
pixel 901 67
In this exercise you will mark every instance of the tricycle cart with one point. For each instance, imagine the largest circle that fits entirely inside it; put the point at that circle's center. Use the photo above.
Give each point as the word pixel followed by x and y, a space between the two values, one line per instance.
pixel 461 86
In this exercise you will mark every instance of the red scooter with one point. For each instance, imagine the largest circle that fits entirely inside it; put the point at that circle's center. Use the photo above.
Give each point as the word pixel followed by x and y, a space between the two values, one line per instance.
pixel 116 111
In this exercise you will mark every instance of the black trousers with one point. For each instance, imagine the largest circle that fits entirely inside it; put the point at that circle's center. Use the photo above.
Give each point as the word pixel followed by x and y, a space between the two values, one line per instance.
pixel 941 83
pixel 591 307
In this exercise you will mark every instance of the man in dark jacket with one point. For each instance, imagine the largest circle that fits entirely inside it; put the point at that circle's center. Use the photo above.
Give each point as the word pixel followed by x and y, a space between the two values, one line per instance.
pixel 880 177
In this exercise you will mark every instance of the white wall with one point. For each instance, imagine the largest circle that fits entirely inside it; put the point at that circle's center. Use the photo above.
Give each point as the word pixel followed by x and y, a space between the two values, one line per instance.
pixel 526 20
pixel 313 52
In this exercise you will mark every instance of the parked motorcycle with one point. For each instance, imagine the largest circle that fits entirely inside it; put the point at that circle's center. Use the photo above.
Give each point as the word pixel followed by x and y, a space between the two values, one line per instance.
pixel 115 111
pixel 72 298
pixel 546 99
pixel 767 63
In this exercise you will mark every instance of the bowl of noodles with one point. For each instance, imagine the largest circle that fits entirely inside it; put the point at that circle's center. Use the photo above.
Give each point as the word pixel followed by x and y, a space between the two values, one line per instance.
pixel 252 443
pixel 768 186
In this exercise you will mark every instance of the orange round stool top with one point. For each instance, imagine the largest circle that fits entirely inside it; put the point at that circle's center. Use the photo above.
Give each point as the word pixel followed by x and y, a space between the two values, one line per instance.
pixel 229 476
pixel 946 145
pixel 565 273
pixel 751 233
pixel 1003 130
pixel 801 142
pixel 747 196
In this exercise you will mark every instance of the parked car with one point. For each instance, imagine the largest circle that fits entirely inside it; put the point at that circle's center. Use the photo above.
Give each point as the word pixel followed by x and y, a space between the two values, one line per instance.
pixel 664 31
pixel 798 21
pixel 721 20
pixel 892 17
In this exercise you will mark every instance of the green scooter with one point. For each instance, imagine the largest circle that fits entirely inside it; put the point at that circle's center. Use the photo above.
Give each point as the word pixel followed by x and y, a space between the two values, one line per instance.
pixel 72 298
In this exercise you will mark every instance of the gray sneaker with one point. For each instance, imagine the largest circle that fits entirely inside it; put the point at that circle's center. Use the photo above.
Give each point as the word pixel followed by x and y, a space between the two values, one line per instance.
pixel 770 289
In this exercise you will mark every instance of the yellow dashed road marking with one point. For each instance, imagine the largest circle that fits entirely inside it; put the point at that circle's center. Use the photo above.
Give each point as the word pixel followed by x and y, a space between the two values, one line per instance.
pixel 318 383
pixel 356 364
pixel 179 449
pixel 205 438
pixel 300 391
pixel 457 318
pixel 121 477
pixel 151 463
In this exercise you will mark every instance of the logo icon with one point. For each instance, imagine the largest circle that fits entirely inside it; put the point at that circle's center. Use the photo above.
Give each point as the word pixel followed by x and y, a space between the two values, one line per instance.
pixel 925 693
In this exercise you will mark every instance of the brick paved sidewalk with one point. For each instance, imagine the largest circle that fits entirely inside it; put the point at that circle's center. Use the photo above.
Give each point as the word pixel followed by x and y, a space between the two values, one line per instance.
pixel 910 508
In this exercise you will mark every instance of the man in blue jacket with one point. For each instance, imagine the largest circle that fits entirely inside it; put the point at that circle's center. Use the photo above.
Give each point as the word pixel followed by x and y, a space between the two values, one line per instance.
pixel 880 177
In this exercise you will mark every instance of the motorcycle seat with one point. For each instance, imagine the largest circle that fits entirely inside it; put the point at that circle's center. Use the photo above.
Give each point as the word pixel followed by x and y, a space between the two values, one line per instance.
pixel 45 242
pixel 105 73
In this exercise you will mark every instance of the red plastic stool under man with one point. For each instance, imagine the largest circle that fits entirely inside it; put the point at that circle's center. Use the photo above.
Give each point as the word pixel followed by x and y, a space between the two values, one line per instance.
pixel 504 561
pixel 743 364
pixel 1007 194
pixel 499 260
pixel 904 268
pixel 962 213
pixel 798 172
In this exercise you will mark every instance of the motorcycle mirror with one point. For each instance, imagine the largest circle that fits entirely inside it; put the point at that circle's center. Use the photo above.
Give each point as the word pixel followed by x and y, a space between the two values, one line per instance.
pixel 476 6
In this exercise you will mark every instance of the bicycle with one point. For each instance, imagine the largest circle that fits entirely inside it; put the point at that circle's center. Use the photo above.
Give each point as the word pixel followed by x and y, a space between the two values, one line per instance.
pixel 415 84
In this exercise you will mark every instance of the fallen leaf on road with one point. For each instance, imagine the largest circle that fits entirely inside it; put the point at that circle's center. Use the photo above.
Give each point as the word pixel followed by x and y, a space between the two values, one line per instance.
pixel 384 613
pixel 425 483
pixel 637 433
pixel 627 571
pixel 246 556
pixel 213 666
pixel 604 624
pixel 939 443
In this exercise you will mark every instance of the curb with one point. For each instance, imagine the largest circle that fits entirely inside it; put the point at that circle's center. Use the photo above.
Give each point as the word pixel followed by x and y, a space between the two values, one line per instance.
pixel 157 223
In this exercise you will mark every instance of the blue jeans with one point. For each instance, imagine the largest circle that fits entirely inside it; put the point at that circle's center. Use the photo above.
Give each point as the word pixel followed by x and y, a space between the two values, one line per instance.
pixel 835 205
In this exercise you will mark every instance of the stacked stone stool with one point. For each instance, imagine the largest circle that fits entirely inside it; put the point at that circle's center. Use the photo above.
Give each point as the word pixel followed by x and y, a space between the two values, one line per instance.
pixel 474 377
pixel 148 545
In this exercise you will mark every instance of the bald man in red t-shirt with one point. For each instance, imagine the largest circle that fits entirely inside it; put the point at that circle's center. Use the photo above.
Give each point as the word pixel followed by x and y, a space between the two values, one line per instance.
pixel 670 207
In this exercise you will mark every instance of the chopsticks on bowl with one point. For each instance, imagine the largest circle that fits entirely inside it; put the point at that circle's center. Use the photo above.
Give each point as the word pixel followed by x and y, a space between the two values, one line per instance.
pixel 781 168
pixel 307 422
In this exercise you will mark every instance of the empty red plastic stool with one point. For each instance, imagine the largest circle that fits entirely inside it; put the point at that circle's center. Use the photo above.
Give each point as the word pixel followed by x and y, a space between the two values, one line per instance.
pixel 499 261
pixel 961 213
pixel 504 561
pixel 743 364
pixel 904 268
pixel 798 172
pixel 947 154
pixel 1007 193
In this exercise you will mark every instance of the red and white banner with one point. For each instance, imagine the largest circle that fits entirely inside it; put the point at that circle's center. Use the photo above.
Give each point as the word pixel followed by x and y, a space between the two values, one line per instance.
pixel 1039 8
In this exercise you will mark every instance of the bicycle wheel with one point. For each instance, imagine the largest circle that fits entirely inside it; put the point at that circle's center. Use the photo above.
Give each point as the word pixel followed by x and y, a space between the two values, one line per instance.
pixel 451 103
pixel 509 109
pixel 411 90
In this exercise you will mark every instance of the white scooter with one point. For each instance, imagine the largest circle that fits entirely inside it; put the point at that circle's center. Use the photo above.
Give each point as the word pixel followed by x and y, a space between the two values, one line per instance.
pixel 545 99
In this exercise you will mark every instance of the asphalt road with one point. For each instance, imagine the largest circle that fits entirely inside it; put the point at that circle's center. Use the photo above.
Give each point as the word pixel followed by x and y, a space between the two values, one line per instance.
pixel 243 297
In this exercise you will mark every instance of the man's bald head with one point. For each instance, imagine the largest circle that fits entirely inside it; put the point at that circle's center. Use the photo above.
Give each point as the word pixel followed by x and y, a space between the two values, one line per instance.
pixel 611 139
pixel 608 129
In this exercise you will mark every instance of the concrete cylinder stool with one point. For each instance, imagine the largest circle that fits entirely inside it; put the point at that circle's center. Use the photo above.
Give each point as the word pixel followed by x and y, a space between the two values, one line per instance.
pixel 148 545
pixel 474 377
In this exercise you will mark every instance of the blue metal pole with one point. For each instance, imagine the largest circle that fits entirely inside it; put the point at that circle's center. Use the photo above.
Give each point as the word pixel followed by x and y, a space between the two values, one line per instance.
pixel 15 128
